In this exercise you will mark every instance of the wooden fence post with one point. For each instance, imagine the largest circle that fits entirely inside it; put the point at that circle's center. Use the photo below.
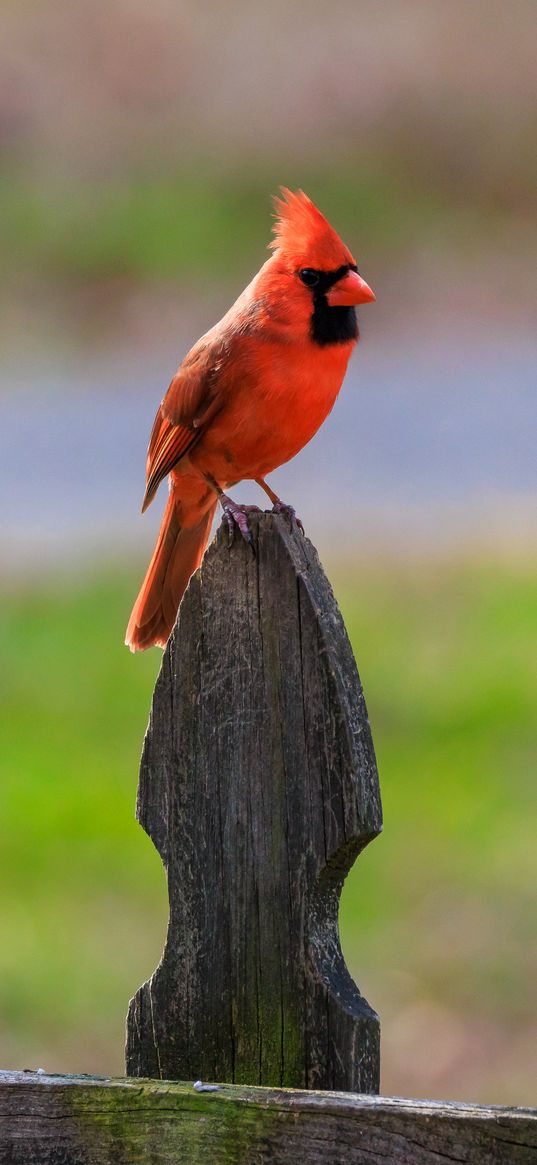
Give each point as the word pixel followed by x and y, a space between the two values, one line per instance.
pixel 259 788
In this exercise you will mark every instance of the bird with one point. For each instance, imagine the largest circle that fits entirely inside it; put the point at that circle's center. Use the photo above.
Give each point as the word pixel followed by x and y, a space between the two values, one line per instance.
pixel 247 398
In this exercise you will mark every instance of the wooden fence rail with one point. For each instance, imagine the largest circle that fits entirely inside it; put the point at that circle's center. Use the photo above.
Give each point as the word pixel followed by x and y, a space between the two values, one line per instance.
pixel 70 1120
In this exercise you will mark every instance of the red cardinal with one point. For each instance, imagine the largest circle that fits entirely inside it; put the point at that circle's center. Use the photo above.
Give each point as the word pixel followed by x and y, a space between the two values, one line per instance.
pixel 249 395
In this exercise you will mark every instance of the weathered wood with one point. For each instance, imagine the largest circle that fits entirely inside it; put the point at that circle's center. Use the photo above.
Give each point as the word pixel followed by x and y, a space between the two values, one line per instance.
pixel 69 1120
pixel 259 788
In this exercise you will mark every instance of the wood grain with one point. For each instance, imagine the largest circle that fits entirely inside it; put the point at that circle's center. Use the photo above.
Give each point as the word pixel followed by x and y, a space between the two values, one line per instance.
pixel 259 788
pixel 86 1121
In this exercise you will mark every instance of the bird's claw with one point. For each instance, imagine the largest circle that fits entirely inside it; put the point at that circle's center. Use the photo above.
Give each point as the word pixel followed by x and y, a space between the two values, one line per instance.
pixel 288 512
pixel 236 515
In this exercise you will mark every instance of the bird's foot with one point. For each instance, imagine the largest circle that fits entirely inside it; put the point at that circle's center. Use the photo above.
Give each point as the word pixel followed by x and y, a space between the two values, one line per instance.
pixel 236 515
pixel 288 512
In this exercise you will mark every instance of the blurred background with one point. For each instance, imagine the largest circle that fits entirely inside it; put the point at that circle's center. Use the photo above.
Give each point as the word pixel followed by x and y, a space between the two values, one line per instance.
pixel 140 146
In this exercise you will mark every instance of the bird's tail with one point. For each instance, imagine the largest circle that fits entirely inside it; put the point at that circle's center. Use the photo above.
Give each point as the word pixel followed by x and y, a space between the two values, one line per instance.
pixel 177 554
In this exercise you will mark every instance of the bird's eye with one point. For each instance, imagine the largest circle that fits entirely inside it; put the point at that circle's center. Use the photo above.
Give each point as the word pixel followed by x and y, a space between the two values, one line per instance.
pixel 309 276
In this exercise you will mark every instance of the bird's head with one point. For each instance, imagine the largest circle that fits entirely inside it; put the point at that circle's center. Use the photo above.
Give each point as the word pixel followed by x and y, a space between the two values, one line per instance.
pixel 319 272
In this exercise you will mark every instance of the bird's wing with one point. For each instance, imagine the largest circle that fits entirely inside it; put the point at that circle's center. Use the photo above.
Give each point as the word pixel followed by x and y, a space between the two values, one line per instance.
pixel 192 400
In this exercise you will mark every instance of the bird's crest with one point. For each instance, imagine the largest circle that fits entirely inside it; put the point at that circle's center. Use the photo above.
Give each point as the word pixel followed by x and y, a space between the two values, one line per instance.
pixel 304 235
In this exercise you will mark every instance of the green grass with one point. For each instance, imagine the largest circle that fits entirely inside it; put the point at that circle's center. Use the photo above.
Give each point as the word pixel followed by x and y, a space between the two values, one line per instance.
pixel 158 225
pixel 438 914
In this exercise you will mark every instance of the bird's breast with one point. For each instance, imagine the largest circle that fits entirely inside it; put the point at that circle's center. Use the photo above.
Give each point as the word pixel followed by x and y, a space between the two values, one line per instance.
pixel 274 404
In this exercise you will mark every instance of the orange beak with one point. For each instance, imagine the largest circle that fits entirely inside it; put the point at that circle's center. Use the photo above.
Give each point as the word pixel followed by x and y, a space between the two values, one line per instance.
pixel 350 290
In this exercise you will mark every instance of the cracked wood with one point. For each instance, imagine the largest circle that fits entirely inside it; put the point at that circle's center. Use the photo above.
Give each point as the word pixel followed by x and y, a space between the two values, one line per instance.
pixel 66 1120
pixel 259 788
